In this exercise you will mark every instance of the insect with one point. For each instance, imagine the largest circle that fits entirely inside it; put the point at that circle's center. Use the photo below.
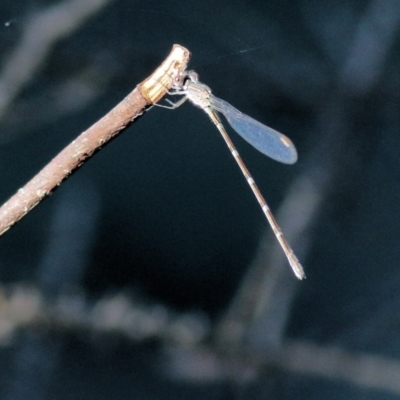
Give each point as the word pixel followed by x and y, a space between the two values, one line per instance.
pixel 265 139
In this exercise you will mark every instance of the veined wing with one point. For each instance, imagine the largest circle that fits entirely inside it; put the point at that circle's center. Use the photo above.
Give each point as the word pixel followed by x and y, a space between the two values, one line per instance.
pixel 267 140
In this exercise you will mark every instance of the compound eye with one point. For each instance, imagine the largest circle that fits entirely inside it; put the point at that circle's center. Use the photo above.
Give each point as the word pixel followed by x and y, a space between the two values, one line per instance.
pixel 178 79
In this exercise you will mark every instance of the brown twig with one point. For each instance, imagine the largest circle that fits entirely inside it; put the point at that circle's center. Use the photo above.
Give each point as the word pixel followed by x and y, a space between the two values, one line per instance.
pixel 76 153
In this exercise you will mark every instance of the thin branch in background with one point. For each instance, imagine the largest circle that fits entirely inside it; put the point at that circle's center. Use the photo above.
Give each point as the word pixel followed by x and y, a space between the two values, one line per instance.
pixel 25 307
pixel 183 336
pixel 368 371
pixel 42 31
pixel 374 38
pixel 363 370
pixel 92 140
pixel 72 234
pixel 32 367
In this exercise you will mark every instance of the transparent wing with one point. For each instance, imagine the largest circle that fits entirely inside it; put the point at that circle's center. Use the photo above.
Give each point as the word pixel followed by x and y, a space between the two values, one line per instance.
pixel 270 142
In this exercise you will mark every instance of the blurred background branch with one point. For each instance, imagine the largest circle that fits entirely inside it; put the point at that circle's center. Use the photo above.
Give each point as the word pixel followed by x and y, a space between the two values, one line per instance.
pixel 42 30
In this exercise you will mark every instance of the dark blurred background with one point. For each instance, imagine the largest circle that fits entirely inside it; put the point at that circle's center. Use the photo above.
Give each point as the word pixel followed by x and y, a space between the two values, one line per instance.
pixel 152 273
